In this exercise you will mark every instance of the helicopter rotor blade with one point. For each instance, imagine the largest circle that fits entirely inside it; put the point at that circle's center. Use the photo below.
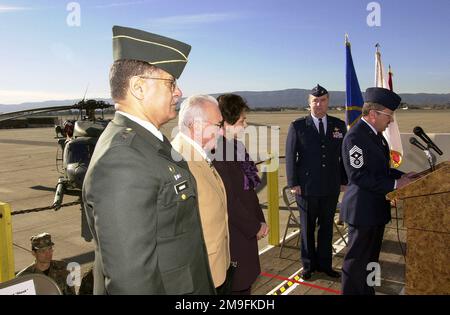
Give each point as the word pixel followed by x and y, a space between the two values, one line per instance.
pixel 29 112
pixel 92 104
pixel 37 109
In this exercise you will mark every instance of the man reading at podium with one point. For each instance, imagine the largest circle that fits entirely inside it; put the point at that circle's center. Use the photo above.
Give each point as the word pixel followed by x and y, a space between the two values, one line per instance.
pixel 364 206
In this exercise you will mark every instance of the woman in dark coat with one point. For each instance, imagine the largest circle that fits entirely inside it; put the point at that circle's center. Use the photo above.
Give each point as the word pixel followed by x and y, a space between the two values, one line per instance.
pixel 240 177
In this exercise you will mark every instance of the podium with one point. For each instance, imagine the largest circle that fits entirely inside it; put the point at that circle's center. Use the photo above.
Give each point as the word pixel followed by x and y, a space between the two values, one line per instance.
pixel 426 212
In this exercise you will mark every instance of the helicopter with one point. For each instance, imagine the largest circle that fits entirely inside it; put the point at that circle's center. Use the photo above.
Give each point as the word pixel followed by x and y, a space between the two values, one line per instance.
pixel 76 140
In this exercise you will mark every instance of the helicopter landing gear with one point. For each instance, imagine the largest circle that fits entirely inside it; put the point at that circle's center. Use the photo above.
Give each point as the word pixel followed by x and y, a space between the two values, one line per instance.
pixel 59 194
pixel 85 231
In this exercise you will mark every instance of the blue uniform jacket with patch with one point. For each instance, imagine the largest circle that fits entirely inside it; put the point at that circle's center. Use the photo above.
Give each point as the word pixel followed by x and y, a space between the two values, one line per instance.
pixel 314 166
pixel 370 178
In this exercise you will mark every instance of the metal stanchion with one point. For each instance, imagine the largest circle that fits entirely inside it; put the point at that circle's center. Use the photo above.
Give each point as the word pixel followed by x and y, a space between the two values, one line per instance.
pixel 6 244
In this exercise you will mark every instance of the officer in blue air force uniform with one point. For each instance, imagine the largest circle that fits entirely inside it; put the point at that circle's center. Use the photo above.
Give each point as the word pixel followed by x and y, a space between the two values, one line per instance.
pixel 364 207
pixel 315 173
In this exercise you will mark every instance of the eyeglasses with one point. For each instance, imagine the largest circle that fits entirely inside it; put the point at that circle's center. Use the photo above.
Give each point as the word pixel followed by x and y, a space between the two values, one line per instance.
pixel 173 81
pixel 219 124
pixel 384 113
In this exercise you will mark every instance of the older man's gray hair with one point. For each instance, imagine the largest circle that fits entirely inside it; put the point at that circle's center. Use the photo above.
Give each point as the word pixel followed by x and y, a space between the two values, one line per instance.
pixel 191 109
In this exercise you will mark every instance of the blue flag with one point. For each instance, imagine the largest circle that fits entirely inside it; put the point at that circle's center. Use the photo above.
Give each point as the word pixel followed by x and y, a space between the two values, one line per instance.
pixel 354 99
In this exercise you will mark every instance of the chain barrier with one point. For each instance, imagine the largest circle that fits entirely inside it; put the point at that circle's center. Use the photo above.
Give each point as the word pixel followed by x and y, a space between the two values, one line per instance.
pixel 45 208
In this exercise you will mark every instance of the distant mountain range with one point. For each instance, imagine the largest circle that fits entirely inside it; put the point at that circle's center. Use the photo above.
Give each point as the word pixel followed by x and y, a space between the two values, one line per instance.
pixel 266 99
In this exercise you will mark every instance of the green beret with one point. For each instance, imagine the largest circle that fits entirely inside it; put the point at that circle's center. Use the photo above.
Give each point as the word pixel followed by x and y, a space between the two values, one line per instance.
pixel 165 53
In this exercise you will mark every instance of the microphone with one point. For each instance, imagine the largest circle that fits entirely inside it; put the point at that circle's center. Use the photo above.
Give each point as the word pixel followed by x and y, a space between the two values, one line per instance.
pixel 418 131
pixel 416 143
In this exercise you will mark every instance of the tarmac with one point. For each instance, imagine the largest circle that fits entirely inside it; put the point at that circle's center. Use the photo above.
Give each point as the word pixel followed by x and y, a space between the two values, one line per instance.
pixel 28 176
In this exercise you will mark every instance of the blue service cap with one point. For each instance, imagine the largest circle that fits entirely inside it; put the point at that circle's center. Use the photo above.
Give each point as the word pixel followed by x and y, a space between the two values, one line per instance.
pixel 318 91
pixel 383 96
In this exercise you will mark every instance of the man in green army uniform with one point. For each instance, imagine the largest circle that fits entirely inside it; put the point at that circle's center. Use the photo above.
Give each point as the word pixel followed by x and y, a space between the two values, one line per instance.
pixel 139 195
pixel 42 250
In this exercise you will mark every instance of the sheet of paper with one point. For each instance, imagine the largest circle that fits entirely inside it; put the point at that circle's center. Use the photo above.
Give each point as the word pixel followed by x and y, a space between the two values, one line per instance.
pixel 23 288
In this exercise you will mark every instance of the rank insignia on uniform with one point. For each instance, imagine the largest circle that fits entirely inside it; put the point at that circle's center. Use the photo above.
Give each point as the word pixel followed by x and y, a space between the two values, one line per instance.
pixel 177 176
pixel 337 134
pixel 356 157
pixel 180 187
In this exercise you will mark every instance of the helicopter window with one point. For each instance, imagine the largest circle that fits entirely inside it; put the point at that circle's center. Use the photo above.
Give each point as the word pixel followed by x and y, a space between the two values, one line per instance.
pixel 79 152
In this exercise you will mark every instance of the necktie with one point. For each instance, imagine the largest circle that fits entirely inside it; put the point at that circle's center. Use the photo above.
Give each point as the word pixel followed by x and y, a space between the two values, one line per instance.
pixel 381 138
pixel 321 129
pixel 385 147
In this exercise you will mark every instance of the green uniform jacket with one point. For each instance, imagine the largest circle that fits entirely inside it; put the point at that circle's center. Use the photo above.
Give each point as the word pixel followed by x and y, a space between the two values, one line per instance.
pixel 57 271
pixel 142 209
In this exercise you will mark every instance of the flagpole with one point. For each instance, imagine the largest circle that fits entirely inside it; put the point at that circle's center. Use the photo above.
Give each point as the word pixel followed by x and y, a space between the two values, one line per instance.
pixel 392 132
pixel 379 75
pixel 377 45
pixel 353 96
pixel 390 75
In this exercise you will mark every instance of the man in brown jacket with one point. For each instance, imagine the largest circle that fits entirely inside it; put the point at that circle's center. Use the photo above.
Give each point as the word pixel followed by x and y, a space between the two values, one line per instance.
pixel 199 123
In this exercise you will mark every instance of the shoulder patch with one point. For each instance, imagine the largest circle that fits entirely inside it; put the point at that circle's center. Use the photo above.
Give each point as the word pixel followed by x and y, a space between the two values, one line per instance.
pixel 124 136
pixel 356 157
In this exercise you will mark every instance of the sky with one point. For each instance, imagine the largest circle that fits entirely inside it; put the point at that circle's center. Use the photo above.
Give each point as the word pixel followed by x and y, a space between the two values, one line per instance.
pixel 237 45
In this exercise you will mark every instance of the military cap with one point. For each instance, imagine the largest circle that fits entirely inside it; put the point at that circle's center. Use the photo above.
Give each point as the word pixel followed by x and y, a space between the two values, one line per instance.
pixel 42 240
pixel 382 96
pixel 318 91
pixel 165 53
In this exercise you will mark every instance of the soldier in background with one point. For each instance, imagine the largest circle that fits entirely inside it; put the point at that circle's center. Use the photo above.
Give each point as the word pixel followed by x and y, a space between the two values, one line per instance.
pixel 315 174
pixel 42 250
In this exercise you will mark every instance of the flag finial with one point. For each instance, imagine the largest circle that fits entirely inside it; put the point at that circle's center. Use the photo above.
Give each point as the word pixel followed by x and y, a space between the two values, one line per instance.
pixel 378 47
pixel 347 42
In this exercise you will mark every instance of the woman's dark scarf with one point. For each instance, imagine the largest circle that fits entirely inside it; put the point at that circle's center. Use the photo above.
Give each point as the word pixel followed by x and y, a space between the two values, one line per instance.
pixel 251 178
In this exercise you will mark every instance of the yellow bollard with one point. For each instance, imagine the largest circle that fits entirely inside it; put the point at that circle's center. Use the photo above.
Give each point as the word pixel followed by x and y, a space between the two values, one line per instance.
pixel 6 244
pixel 273 200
